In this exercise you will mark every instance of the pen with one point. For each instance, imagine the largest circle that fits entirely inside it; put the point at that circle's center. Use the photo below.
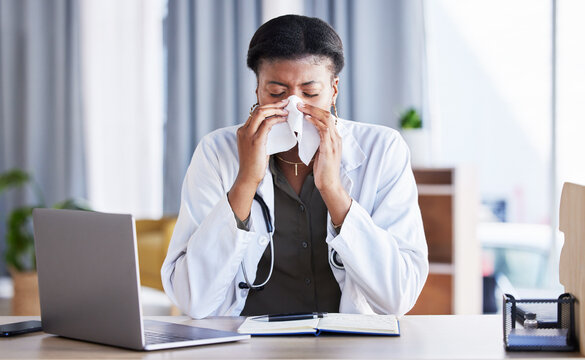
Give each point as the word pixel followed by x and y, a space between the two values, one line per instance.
pixel 290 317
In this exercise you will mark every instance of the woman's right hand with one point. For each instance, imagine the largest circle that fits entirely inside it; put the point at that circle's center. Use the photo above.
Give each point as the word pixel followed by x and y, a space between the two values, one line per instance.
pixel 252 137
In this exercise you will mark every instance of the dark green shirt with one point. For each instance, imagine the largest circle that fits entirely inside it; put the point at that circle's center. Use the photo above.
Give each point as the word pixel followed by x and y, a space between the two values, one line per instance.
pixel 302 280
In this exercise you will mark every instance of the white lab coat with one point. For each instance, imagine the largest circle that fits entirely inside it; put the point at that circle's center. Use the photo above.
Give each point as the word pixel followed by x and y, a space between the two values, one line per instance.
pixel 381 242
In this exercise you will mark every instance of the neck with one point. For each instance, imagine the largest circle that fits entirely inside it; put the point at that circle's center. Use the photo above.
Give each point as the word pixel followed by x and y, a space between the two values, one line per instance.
pixel 291 155
pixel 291 165
pixel 295 172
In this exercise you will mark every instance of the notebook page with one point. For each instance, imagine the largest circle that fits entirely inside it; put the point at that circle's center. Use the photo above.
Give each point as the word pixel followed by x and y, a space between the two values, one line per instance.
pixel 250 326
pixel 385 324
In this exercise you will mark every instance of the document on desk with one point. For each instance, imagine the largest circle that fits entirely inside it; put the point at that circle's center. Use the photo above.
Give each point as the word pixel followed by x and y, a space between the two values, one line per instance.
pixel 333 322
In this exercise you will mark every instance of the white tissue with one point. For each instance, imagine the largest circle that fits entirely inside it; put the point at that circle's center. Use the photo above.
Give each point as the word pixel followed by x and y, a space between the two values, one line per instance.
pixel 282 136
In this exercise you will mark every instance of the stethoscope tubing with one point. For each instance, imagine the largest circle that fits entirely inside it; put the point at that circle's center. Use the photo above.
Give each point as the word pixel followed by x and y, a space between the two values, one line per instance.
pixel 336 263
pixel 270 230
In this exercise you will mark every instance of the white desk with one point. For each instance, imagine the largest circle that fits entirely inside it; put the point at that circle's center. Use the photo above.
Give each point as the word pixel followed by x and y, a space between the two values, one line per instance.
pixel 422 337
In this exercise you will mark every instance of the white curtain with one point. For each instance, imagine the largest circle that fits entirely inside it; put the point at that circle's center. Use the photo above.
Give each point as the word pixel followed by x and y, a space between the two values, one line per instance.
pixel 123 83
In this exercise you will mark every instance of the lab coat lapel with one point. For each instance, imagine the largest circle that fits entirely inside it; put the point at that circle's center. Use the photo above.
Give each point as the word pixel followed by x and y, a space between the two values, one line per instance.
pixel 352 155
pixel 266 191
pixel 257 247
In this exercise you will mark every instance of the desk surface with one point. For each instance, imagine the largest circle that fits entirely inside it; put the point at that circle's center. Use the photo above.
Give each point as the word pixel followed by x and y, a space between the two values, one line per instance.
pixel 422 337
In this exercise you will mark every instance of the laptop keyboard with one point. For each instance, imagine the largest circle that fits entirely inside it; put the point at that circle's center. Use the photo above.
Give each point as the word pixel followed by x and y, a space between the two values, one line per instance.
pixel 153 337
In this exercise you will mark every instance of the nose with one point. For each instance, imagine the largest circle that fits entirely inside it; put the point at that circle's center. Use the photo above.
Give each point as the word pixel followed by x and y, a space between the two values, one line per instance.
pixel 296 92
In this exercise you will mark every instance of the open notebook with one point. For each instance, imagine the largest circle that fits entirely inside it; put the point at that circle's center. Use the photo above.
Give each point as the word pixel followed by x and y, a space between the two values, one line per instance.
pixel 333 322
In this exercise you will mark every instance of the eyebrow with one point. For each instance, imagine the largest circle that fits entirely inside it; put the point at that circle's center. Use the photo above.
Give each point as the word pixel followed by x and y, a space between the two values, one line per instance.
pixel 303 84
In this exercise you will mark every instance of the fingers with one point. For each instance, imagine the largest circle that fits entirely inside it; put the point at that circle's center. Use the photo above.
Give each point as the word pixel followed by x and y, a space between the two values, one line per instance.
pixel 321 115
pixel 326 128
pixel 325 124
pixel 264 112
pixel 319 124
pixel 330 139
pixel 266 125
pixel 261 133
pixel 253 133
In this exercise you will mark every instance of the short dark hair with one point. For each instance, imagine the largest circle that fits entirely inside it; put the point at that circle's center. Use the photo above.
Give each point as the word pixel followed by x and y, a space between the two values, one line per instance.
pixel 294 37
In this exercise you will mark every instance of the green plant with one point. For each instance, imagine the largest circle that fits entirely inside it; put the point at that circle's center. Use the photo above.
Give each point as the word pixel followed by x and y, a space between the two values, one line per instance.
pixel 410 119
pixel 20 252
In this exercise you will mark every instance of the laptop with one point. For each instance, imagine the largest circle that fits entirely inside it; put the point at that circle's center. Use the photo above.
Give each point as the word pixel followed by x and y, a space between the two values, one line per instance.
pixel 89 284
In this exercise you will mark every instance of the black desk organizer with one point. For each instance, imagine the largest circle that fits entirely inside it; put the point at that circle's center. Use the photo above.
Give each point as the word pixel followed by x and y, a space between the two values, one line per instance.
pixel 539 324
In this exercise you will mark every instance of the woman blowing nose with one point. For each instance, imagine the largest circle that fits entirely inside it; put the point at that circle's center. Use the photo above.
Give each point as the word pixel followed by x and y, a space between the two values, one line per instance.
pixel 297 210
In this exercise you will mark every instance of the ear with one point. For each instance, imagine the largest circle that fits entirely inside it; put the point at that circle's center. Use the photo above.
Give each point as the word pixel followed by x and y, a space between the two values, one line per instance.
pixel 335 85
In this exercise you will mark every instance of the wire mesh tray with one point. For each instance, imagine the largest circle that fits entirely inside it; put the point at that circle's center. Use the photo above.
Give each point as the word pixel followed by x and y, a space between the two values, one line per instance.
pixel 539 324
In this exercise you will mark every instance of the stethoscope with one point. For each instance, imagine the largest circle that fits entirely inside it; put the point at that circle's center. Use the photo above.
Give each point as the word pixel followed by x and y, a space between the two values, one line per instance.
pixel 334 258
pixel 270 230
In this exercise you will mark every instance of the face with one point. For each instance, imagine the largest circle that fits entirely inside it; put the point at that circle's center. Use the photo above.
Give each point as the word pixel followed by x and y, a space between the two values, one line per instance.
pixel 308 78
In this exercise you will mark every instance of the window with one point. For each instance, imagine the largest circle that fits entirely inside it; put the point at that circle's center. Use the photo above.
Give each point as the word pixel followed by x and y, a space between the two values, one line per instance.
pixel 490 84
pixel 123 92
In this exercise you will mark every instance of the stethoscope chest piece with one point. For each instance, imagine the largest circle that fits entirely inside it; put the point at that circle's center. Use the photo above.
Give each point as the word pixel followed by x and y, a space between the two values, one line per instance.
pixel 335 260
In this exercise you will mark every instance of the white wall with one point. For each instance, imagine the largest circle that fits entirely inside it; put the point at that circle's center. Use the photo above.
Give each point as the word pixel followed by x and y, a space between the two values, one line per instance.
pixel 570 92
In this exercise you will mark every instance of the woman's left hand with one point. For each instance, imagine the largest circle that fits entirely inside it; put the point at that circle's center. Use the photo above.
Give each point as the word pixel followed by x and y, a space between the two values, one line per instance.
pixel 328 162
